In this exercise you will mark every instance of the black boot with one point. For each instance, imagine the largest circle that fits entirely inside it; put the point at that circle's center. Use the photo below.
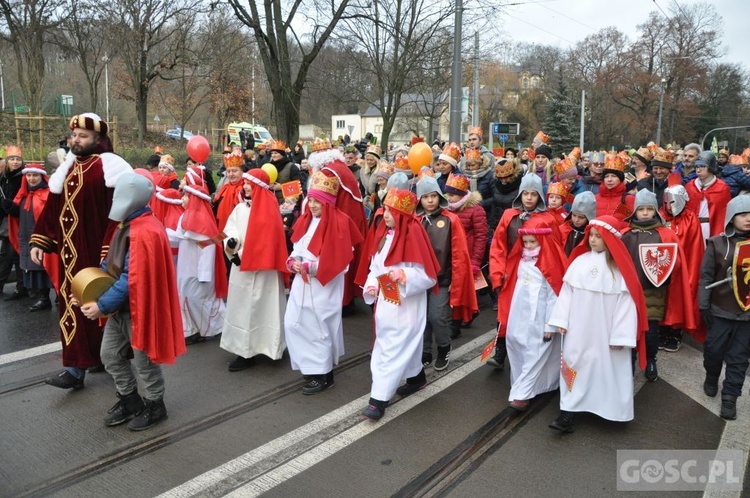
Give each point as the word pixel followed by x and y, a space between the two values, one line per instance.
pixel 728 407
pixel 563 423
pixel 443 357
pixel 65 380
pixel 125 409
pixel 319 383
pixel 43 303
pixel 375 410
pixel 711 385
pixel 501 352
pixel 651 373
pixel 413 384
pixel 152 413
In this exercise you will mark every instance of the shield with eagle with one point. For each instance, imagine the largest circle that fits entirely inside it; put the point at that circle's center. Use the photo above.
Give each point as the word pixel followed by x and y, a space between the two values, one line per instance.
pixel 657 261
pixel 741 274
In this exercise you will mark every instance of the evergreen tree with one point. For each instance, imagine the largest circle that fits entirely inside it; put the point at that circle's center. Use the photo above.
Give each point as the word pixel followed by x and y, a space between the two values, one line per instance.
pixel 559 119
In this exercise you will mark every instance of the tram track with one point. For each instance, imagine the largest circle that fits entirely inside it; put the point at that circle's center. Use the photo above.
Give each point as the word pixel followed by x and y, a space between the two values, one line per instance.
pixel 141 448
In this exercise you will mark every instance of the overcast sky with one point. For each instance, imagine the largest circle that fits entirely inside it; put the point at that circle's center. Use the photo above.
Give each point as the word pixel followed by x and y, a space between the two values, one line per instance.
pixel 565 22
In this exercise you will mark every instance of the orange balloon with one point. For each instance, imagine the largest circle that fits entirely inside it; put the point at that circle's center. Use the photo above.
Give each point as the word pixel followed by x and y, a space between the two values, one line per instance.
pixel 419 155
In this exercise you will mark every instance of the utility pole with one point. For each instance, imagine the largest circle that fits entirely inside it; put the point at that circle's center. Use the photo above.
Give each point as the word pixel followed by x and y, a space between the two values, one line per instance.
pixel 455 111
pixel 475 111
pixel 105 59
pixel 661 107
pixel 583 116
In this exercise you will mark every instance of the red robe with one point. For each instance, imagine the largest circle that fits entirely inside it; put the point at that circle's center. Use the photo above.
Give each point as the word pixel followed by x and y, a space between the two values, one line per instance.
pixel 75 225
pixel 225 200
pixel 615 202
pixel 152 292
pixel 499 248
pixel 717 196
pixel 680 302
pixel 463 297
pixel 163 182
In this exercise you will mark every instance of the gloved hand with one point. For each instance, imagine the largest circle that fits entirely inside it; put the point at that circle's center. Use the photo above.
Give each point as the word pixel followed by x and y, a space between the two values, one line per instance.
pixel 707 318
pixel 232 243
pixel 236 260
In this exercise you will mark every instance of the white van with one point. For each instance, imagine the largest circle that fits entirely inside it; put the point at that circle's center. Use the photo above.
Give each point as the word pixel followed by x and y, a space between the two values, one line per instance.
pixel 260 134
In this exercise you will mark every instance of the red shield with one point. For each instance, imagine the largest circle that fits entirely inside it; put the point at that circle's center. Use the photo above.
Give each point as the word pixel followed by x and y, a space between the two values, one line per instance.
pixel 741 274
pixel 657 261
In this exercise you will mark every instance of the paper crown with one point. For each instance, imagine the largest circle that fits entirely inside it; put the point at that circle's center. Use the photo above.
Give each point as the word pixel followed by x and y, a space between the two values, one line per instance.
pixel 663 158
pixel 532 152
pixel 615 162
pixel 227 149
pixel 277 145
pixel 374 150
pixel 158 149
pixel 558 188
pixel 567 167
pixel 402 201
pixel 234 160
pixel 724 151
pixel 452 151
pixel 473 155
pixel 458 182
pixel 644 154
pixel 401 163
pixel 498 152
pixel 653 147
pixel 324 183
pixel 504 169
pixel 416 140
pixel 426 171
pixel 167 159
pixel 13 150
pixel 575 154
pixel 385 169
pixel 738 160
pixel 541 138
pixel 320 144
pixel 476 130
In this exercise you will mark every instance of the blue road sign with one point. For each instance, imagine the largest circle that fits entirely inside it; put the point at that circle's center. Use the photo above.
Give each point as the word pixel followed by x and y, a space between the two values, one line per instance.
pixel 503 138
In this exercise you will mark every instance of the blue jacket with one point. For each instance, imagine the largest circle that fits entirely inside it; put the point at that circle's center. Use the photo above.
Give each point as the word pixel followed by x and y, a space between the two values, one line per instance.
pixel 735 178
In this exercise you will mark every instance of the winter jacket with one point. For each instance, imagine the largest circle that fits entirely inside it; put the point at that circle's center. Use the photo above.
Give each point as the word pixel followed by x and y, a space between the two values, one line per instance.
pixel 735 178
pixel 656 186
pixel 10 184
pixel 503 195
pixel 608 202
pixel 483 182
pixel 474 220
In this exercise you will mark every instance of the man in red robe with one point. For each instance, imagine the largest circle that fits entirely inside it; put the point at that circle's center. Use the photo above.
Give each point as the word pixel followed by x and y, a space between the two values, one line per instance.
pixel 230 194
pixel 709 195
pixel 75 226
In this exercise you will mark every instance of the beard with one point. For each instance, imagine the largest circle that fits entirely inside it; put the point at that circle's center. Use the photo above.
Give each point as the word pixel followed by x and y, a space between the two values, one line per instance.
pixel 84 150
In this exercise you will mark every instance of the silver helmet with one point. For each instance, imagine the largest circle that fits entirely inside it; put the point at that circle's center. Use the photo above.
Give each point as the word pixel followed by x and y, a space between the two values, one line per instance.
pixel 678 196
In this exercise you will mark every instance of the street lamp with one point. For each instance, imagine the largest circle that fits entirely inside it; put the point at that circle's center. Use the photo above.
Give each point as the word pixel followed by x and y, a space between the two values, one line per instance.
pixel 106 59
pixel 661 106
pixel 2 87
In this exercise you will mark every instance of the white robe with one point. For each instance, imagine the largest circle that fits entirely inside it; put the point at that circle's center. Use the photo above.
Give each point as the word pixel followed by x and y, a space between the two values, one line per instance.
pixel 312 324
pixel 534 367
pixel 202 312
pixel 397 353
pixel 598 312
pixel 254 322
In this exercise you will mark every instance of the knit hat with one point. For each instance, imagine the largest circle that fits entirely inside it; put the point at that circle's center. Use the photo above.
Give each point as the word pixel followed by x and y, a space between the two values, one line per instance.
pixel 543 150
pixel 457 184
pixel 399 181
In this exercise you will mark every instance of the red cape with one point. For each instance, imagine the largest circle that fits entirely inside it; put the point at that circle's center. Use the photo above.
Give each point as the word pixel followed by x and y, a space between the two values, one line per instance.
pixel 718 196
pixel 680 303
pixel 552 262
pixel 270 252
pixel 163 182
pixel 226 199
pixel 463 296
pixel 152 286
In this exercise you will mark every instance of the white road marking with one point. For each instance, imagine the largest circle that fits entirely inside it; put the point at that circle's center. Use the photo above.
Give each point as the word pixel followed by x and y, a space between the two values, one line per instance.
pixel 30 353
pixel 309 457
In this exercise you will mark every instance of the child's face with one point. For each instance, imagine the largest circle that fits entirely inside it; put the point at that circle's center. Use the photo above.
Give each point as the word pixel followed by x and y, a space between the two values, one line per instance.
pixel 453 198
pixel 316 207
pixel 644 213
pixel 529 199
pixel 33 179
pixel 554 201
pixel 248 190
pixel 611 180
pixel 578 220
pixel 388 218
pixel 430 202
pixel 185 199
pixel 530 242
pixel 741 222
pixel 595 241
pixel 164 170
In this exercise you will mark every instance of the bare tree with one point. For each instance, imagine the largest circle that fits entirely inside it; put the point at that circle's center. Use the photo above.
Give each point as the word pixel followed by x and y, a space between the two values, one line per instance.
pixel 278 41
pixel 28 25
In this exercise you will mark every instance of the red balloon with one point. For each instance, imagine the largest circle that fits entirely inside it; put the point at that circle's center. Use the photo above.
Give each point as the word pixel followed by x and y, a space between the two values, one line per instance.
pixel 198 148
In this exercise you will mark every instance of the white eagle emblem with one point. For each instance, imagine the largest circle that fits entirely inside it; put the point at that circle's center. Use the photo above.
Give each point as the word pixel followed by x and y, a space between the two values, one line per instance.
pixel 658 261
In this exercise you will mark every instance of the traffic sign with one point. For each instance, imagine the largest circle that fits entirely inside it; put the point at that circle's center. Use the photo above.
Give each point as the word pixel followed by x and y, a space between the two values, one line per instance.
pixel 503 138
pixel 506 128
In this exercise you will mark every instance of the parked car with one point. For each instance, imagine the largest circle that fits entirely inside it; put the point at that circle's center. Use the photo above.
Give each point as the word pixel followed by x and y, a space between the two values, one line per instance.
pixel 175 134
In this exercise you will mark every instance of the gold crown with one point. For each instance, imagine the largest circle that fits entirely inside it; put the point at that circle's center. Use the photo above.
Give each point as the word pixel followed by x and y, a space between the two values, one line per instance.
pixel 505 169
pixel 13 150
pixel 158 149
pixel 663 157
pixel 402 201
pixel 402 163
pixel 453 151
pixel 645 154
pixel 575 154
pixel 476 130
pixel 724 151
pixel 653 147
pixel 558 188
pixel 325 183
pixel 385 168
pixel 565 165
pixel 321 144
pixel 473 155
pixel 541 137
pixel 167 158
pixel 613 162
pixel 458 182
pixel 234 160
pixel 277 145
pixel 737 159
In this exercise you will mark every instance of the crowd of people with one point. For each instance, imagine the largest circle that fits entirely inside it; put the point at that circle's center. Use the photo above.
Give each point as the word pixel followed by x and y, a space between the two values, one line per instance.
pixel 593 262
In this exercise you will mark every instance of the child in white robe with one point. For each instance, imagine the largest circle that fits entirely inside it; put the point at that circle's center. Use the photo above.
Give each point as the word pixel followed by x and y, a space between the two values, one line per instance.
pixel 403 267
pixel 601 314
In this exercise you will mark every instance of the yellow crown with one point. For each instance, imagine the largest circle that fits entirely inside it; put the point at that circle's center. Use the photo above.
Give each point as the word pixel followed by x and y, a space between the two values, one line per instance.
pixel 614 162
pixel 476 130
pixel 558 188
pixel 167 158
pixel 402 163
pixel 458 182
pixel 325 183
pixel 234 160
pixel 321 144
pixel 645 154
pixel 663 157
pixel 565 165
pixel 13 150
pixel 473 155
pixel 277 145
pixel 402 201
pixel 737 159
pixel 575 154
pixel 385 168
pixel 453 151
